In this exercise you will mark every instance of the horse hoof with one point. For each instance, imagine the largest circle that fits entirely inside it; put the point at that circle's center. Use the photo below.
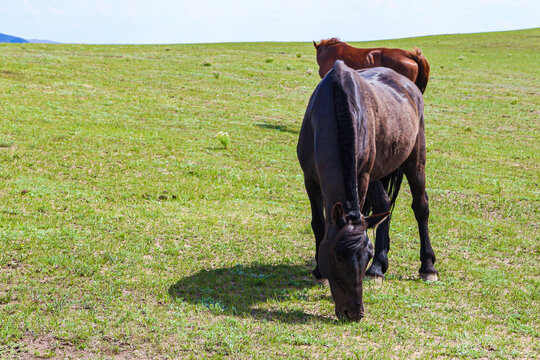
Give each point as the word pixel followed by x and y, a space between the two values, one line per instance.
pixel 375 278
pixel 321 281
pixel 429 276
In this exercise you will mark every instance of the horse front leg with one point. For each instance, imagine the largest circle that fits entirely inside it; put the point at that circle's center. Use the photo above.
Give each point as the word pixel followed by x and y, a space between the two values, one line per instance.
pixel 414 170
pixel 380 203
pixel 313 190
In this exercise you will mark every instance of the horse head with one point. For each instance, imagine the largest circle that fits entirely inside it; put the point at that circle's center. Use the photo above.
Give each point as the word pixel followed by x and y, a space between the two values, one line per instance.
pixel 327 42
pixel 344 255
pixel 326 54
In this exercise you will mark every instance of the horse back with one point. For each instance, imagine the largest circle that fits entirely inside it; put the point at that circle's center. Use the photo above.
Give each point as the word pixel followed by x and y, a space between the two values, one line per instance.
pixel 394 107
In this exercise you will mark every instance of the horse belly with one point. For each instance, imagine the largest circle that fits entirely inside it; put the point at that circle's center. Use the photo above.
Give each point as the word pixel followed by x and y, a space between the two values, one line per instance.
pixel 395 139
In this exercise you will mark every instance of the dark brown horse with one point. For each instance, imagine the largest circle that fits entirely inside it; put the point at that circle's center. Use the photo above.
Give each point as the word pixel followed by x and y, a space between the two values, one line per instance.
pixel 359 127
pixel 411 64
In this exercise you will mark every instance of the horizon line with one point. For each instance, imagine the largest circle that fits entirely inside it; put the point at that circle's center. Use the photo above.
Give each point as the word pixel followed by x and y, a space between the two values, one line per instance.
pixel 53 42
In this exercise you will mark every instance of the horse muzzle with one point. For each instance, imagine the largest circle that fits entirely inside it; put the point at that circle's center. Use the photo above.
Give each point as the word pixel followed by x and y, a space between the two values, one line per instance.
pixel 346 314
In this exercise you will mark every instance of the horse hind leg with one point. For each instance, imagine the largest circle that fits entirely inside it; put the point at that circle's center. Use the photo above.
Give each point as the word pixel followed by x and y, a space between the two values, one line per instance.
pixel 379 202
pixel 317 220
pixel 414 170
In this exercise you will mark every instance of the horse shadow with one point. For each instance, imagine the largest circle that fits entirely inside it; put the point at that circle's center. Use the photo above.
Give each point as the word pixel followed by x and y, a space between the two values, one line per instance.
pixel 240 289
pixel 280 128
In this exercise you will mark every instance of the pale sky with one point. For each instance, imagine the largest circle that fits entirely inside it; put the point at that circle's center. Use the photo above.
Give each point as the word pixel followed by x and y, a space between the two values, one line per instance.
pixel 202 21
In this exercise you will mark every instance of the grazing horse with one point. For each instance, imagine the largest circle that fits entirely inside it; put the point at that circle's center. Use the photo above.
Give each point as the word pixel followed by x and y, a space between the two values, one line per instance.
pixel 411 64
pixel 359 127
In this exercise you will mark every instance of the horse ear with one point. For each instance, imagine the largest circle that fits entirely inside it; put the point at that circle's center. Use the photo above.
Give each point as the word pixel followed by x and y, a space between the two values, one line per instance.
pixel 338 215
pixel 374 220
pixel 315 44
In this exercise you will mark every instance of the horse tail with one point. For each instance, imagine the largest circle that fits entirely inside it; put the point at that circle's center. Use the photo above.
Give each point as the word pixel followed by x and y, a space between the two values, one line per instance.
pixel 423 68
pixel 346 138
pixel 391 184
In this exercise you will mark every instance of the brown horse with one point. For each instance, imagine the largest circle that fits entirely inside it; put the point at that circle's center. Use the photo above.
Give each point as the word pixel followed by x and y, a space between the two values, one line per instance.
pixel 411 64
pixel 359 127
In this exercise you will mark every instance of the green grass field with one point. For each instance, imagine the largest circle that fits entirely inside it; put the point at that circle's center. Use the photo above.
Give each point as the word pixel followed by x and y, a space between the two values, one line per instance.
pixel 128 230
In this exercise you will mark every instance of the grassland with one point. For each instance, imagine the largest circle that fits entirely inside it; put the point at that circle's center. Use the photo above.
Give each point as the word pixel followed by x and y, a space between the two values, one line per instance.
pixel 127 230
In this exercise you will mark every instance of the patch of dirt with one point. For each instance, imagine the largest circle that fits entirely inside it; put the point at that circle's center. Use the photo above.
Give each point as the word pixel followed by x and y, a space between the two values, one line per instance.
pixel 37 347
pixel 33 347
pixel 8 73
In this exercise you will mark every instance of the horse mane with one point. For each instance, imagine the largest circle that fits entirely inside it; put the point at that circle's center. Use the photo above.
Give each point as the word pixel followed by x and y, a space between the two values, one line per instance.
pixel 347 145
pixel 330 42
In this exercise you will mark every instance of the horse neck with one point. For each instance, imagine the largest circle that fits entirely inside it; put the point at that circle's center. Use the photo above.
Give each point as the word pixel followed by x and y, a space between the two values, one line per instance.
pixel 351 130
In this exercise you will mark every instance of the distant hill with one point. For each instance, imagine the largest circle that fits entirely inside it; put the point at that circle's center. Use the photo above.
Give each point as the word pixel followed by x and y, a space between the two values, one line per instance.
pixel 39 41
pixel 11 39
pixel 14 39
